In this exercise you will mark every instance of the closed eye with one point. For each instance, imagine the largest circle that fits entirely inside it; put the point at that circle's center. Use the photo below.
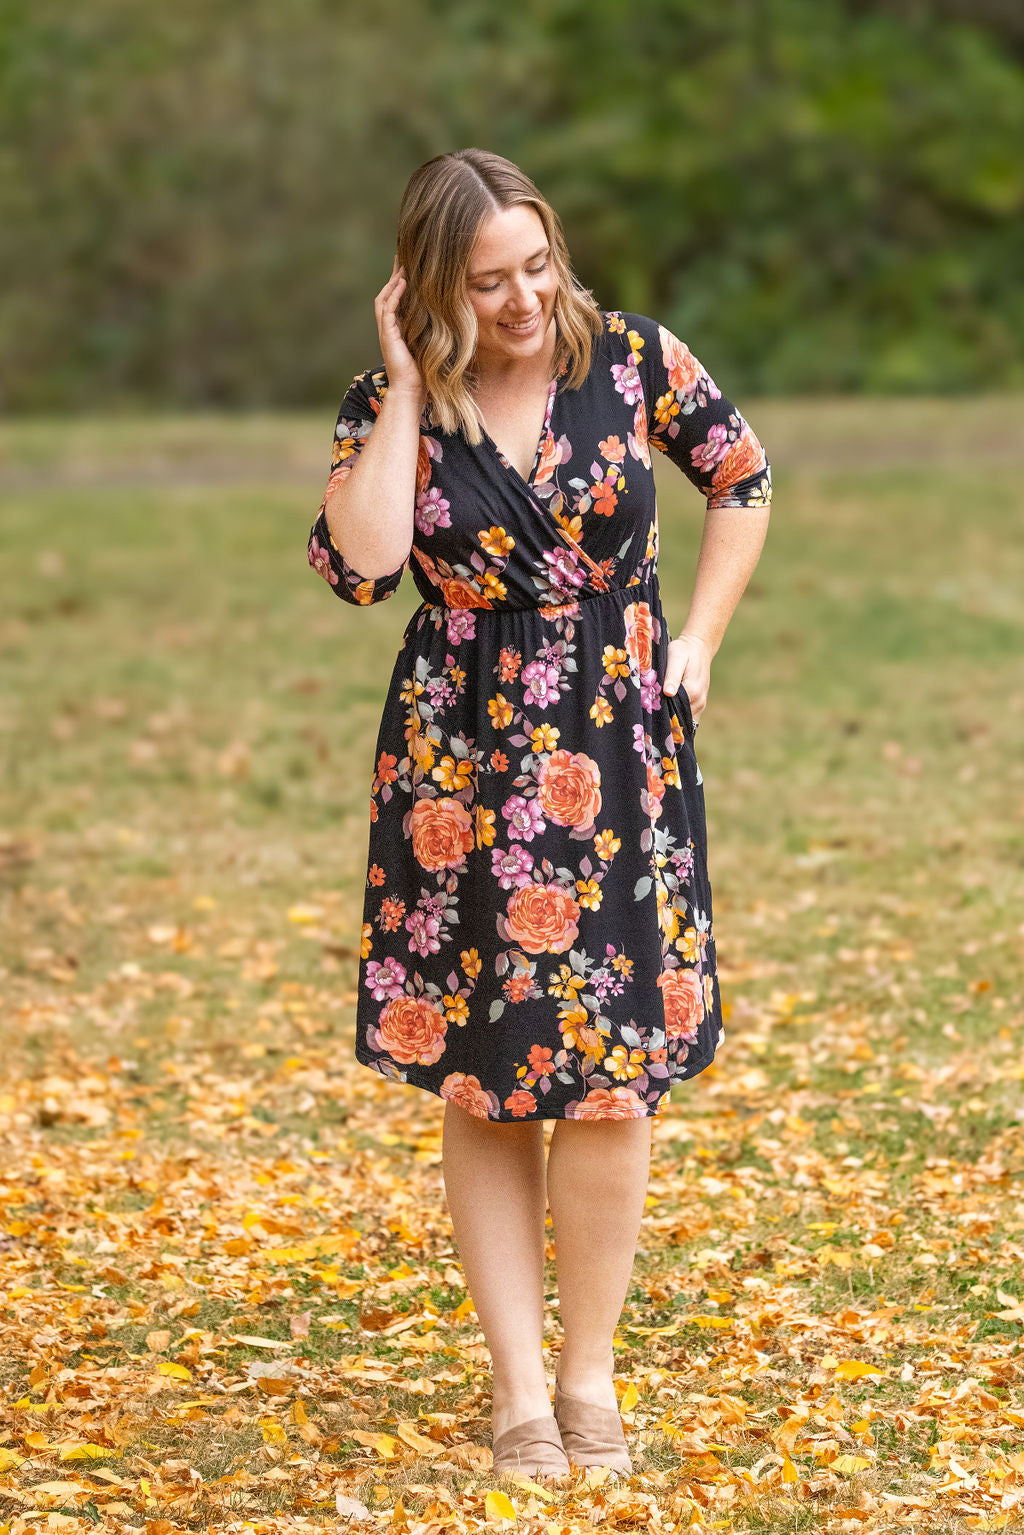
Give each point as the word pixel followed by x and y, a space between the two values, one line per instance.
pixel 531 272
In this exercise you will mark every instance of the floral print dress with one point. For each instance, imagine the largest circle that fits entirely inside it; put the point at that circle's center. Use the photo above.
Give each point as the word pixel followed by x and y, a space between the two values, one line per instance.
pixel 537 936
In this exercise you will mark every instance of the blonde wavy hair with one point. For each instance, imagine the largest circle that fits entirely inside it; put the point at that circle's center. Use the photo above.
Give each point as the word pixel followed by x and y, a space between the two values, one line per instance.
pixel 443 209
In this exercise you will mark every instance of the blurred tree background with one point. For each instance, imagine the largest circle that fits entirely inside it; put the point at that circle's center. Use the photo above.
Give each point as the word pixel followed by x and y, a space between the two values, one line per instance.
pixel 197 202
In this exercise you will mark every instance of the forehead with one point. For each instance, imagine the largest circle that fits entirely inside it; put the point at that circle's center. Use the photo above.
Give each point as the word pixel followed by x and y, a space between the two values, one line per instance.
pixel 507 238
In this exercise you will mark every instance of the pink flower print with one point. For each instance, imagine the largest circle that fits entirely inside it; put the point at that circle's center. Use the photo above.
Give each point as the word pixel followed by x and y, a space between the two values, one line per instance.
pixel 432 511
pixel 627 382
pixel 385 978
pixel 524 817
pixel 540 679
pixel 461 625
pixel 424 924
pixel 512 869
pixel 321 561
pixel 650 690
pixel 564 571
pixel 710 452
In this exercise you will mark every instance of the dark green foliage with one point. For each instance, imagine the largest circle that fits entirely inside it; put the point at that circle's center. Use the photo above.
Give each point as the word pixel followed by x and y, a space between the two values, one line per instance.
pixel 197 203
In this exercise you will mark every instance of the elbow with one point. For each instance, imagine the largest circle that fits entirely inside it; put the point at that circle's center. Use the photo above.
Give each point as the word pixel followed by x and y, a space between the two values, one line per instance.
pixel 345 581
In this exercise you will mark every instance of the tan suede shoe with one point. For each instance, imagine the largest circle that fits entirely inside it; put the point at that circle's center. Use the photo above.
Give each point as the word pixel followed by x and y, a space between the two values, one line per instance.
pixel 533 1447
pixel 591 1436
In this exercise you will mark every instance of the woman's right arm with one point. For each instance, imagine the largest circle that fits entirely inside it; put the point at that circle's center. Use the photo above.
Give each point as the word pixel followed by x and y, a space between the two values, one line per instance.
pixel 362 539
pixel 371 496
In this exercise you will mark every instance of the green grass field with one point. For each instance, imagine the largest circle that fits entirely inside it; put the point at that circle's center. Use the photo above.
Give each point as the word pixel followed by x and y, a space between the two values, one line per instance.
pixel 228 1291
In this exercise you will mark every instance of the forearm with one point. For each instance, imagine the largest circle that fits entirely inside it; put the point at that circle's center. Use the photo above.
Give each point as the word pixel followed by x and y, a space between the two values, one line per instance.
pixel 730 548
pixel 370 512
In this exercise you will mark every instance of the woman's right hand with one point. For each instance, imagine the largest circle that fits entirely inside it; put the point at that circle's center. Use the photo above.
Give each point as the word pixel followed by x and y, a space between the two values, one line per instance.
pixel 403 373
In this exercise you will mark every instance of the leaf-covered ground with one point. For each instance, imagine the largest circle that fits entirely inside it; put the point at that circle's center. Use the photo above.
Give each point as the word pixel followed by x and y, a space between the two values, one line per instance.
pixel 229 1296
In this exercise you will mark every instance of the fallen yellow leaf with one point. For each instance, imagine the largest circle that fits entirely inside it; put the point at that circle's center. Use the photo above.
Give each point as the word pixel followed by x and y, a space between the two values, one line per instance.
pixel 417 1441
pixel 175 1371
pixel 84 1451
pixel 497 1506
pixel 847 1465
pixel 385 1445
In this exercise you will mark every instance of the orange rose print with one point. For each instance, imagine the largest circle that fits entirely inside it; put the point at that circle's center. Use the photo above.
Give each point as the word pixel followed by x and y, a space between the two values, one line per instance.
pixel 610 1103
pixel 639 633
pixel 569 788
pixel 745 456
pixel 543 919
pixel 442 833
pixel 683 998
pixel 683 368
pixel 412 1030
pixel 466 1091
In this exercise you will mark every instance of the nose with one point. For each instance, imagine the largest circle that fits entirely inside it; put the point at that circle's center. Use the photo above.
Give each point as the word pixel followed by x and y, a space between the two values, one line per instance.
pixel 525 302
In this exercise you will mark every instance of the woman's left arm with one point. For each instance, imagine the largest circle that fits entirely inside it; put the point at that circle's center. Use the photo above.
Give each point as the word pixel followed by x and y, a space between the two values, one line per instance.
pixel 692 422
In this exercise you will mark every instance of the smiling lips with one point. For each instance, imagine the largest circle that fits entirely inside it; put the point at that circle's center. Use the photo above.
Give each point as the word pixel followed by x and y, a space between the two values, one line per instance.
pixel 524 328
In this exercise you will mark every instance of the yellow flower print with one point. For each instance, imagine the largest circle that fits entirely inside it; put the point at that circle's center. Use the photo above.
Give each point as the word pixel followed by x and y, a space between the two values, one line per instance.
pixel 665 407
pixel 670 770
pixel 453 773
pixel 668 917
pixel 564 984
pixel 471 963
pixel 623 964
pixel 366 940
pixel 616 324
pixel 545 738
pixel 456 1010
pixel 601 711
pixel 410 690
pixel 616 661
pixel 497 543
pixel 484 826
pixel 581 1035
pixel 501 712
pixel 422 752
pixel 625 1065
pixel 687 945
pixel 492 586
pixel 606 845
pixel 458 676
pixel 344 447
pixel 571 525
pixel 677 729
pixel 588 893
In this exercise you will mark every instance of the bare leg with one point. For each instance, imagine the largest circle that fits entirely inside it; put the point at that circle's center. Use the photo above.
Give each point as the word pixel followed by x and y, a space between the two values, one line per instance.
pixel 597 1179
pixel 494 1183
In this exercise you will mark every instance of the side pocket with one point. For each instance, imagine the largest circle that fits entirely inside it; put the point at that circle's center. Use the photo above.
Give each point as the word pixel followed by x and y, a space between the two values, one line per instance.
pixel 683 698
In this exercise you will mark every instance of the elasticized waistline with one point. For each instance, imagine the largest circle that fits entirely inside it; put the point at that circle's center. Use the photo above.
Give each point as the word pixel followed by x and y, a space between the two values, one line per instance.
pixel 536 607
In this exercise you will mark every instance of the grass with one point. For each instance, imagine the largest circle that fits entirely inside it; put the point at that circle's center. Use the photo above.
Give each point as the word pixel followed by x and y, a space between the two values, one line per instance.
pixel 193 1160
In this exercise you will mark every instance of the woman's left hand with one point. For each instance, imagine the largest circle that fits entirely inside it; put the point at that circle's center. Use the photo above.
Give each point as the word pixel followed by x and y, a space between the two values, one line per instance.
pixel 689 665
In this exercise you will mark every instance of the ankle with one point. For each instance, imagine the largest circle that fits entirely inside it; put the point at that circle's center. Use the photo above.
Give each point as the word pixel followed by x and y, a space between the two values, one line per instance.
pixel 590 1369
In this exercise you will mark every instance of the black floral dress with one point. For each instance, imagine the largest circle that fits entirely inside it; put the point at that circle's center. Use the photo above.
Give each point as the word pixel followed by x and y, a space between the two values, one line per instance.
pixel 537 936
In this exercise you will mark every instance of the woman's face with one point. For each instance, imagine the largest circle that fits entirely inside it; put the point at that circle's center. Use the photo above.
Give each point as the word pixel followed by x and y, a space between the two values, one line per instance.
pixel 511 278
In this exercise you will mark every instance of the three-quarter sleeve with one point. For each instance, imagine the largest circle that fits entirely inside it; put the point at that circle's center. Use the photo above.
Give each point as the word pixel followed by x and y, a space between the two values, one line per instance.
pixel 359 410
pixel 690 420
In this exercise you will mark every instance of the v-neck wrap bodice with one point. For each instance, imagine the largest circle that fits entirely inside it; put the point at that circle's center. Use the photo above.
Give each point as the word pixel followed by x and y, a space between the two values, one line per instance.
pixel 537 932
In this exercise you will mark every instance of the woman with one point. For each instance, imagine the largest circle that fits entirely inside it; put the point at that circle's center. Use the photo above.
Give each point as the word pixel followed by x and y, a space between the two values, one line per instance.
pixel 537 935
